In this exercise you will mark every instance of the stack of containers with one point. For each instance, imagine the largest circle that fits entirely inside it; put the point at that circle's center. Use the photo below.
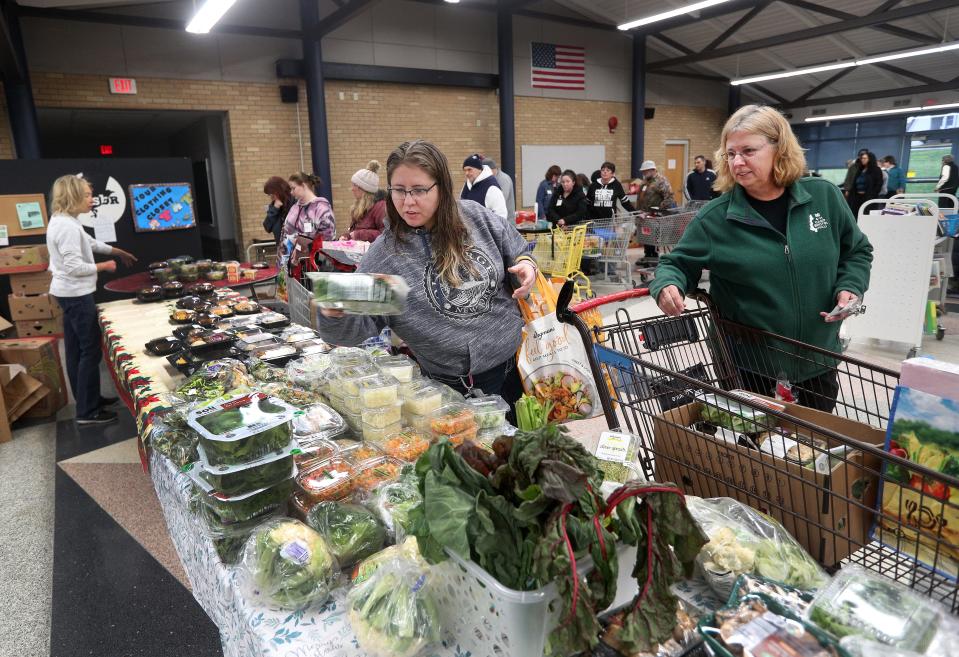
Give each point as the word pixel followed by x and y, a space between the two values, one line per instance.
pixel 490 412
pixel 381 410
pixel 420 400
pixel 246 467
pixel 455 421
pixel 344 392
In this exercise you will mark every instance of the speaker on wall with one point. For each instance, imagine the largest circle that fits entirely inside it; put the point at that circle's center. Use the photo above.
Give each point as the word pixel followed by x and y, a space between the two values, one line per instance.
pixel 649 113
pixel 289 93
pixel 289 68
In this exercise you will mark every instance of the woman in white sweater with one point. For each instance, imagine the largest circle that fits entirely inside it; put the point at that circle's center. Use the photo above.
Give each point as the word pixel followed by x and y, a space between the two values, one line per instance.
pixel 73 282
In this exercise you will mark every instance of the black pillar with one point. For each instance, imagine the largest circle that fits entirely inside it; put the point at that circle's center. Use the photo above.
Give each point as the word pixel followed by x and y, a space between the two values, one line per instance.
pixel 639 104
pixel 735 99
pixel 316 95
pixel 507 115
pixel 20 108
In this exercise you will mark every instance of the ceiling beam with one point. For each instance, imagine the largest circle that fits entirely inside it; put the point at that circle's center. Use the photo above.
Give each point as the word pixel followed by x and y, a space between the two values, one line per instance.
pixel 822 85
pixel 809 33
pixel 842 15
pixel 676 45
pixel 105 18
pixel 11 66
pixel 732 29
pixel 919 77
pixel 876 95
pixel 693 76
pixel 764 90
pixel 337 19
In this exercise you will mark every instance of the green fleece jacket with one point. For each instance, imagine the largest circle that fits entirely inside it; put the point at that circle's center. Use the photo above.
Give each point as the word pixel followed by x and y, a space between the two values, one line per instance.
pixel 777 283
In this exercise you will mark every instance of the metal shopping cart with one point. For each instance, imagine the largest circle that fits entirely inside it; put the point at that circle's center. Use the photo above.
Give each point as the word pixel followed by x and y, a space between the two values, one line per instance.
pixel 667 380
pixel 612 237
pixel 559 255
pixel 662 230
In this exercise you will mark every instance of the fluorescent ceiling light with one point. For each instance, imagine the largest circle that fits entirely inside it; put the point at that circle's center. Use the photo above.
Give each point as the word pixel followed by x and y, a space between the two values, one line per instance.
pixel 688 9
pixel 850 63
pixel 452 2
pixel 208 15
pixel 898 110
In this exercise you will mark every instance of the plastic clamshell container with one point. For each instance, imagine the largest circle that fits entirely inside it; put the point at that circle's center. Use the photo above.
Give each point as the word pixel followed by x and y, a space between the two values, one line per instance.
pixel 318 421
pixel 329 480
pixel 382 416
pixel 253 338
pixel 490 411
pixel 347 378
pixel 353 420
pixel 423 399
pixel 239 508
pixel 419 422
pixel 876 607
pixel 373 472
pixel 400 368
pixel 360 293
pixel 262 473
pixel 406 388
pixel 242 428
pixel 406 445
pixel 452 419
pixel 359 452
pixel 457 438
pixel 314 450
pixel 348 356
pixel 352 404
pixel 378 434
pixel 301 334
pixel 312 347
pixel 377 391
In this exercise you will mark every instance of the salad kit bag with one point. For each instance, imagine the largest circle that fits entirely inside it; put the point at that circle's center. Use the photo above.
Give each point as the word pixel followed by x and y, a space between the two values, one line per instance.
pixel 552 361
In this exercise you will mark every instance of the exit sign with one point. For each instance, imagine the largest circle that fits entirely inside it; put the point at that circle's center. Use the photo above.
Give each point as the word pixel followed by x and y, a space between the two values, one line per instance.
pixel 126 86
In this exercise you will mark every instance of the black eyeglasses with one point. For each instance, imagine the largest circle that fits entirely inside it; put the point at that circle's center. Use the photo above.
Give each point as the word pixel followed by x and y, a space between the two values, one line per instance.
pixel 399 194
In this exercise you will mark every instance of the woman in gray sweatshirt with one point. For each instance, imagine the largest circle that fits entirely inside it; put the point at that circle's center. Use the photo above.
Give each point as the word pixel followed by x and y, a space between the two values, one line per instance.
pixel 462 321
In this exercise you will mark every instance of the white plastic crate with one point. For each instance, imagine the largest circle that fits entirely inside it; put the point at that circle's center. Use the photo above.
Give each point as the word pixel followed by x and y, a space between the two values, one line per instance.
pixel 486 619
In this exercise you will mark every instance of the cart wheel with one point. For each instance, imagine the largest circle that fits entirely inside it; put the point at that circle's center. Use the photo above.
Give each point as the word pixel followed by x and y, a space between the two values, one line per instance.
pixel 912 353
pixel 940 333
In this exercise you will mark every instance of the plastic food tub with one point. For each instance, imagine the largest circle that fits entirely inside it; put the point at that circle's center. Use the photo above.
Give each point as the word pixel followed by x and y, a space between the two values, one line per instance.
pixel 422 398
pixel 400 368
pixel 382 416
pixel 486 619
pixel 378 391
pixel 243 428
pixel 490 412
pixel 378 435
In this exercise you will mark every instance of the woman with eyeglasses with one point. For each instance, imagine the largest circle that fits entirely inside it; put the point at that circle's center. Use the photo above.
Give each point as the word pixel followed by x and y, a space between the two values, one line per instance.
pixel 783 252
pixel 462 321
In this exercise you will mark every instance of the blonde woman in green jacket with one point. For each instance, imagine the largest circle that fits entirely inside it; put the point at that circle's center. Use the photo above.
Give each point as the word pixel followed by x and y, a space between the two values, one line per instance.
pixel 782 251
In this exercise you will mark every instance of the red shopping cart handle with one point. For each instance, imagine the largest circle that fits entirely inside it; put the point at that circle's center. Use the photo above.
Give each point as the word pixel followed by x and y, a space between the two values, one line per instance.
pixel 589 304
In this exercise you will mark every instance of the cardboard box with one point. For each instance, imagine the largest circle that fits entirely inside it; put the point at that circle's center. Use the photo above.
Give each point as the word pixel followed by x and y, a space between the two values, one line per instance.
pixel 40 306
pixel 39 328
pixel 5 325
pixel 20 392
pixel 814 507
pixel 24 258
pixel 31 283
pixel 41 358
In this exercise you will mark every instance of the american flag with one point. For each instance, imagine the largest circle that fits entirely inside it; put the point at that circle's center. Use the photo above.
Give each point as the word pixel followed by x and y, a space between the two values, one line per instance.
pixel 558 67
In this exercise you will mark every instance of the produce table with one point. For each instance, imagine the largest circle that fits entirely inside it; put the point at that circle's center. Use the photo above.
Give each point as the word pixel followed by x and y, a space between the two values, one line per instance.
pixel 135 282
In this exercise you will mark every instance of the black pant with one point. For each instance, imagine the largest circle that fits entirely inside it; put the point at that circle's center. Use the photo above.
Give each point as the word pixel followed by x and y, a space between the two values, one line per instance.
pixel 819 392
pixel 501 380
pixel 81 338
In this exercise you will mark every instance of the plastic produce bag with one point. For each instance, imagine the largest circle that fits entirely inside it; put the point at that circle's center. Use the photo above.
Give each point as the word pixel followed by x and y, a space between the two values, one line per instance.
pixel 393 612
pixel 171 436
pixel 229 538
pixel 742 540
pixel 266 373
pixel 215 379
pixel 352 531
pixel 392 502
pixel 289 564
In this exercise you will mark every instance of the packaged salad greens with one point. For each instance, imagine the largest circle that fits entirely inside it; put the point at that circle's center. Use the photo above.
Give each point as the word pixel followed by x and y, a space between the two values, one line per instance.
pixel 742 540
pixel 243 428
pixel 214 380
pixel 309 372
pixel 616 453
pixel 289 564
pixel 171 436
pixel 244 506
pixel 393 502
pixel 229 537
pixel 729 413
pixel 352 531
pixel 262 473
pixel 393 612
pixel 360 293
pixel 861 603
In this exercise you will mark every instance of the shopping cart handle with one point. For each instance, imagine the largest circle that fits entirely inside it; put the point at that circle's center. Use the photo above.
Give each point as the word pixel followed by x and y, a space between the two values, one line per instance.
pixel 589 304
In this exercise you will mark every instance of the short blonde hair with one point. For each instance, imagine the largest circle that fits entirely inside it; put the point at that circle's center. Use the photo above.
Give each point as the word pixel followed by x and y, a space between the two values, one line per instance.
pixel 69 195
pixel 789 162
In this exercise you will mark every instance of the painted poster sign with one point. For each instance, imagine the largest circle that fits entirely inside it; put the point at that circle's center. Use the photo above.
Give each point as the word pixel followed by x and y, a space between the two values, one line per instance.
pixel 109 201
pixel 162 206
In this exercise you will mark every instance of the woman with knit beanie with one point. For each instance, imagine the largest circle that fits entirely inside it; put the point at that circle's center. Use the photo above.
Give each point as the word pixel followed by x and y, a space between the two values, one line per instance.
pixel 367 213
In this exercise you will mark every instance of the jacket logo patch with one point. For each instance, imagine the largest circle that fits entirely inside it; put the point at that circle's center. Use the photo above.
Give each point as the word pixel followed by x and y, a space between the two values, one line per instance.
pixel 817 222
pixel 474 295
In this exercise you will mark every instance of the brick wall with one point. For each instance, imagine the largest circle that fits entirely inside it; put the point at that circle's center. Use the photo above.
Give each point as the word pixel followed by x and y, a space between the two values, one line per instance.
pixel 366 121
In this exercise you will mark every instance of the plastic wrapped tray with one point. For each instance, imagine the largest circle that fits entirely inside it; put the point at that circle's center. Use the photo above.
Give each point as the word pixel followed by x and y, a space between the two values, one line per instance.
pixel 360 293
pixel 243 428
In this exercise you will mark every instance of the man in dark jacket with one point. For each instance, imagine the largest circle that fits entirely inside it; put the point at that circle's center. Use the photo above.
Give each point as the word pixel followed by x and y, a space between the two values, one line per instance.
pixel 699 182
pixel 481 186
pixel 949 178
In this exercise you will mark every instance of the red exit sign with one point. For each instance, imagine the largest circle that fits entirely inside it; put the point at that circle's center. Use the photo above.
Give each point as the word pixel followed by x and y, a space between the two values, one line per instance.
pixel 123 86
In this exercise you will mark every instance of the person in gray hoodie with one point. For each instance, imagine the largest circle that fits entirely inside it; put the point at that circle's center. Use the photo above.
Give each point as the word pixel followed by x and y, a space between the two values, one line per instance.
pixel 465 266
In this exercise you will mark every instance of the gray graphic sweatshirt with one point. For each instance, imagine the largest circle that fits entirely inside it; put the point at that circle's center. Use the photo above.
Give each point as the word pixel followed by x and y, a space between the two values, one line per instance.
pixel 452 331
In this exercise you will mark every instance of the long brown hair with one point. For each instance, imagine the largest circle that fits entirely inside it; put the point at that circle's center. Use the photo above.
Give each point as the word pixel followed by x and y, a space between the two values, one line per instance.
pixel 278 188
pixel 367 200
pixel 449 235
pixel 312 181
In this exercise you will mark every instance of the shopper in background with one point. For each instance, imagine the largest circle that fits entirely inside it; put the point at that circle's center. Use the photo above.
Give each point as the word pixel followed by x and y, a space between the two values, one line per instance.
pixel 481 186
pixel 782 252
pixel 505 184
pixel 852 170
pixel 656 194
pixel 545 190
pixel 605 192
pixel 281 200
pixel 311 216
pixel 461 321
pixel 568 206
pixel 583 183
pixel 73 282
pixel 367 215
pixel 949 177
pixel 867 184
pixel 699 181
pixel 896 181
